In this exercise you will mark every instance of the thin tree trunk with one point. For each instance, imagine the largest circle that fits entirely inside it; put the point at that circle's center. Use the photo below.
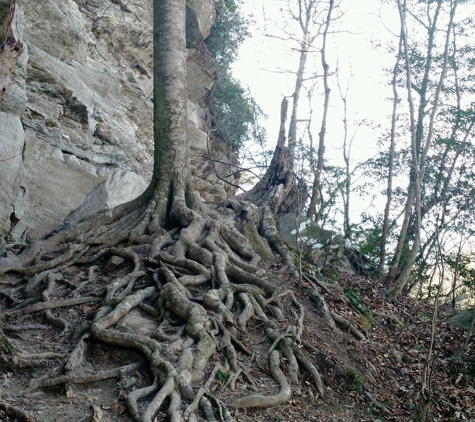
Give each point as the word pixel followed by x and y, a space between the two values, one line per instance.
pixel 414 176
pixel 418 134
pixel 389 194
pixel 419 176
pixel 312 209
pixel 347 182
pixel 292 134
pixel 306 20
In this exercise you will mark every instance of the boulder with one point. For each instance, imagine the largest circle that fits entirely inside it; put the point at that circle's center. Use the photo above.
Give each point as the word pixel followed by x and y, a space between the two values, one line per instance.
pixel 321 246
pixel 463 319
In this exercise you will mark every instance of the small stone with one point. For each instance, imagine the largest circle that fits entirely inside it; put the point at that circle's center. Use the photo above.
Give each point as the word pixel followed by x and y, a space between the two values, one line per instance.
pixel 113 263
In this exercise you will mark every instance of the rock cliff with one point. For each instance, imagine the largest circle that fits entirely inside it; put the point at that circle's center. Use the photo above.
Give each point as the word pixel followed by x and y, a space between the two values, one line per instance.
pixel 76 112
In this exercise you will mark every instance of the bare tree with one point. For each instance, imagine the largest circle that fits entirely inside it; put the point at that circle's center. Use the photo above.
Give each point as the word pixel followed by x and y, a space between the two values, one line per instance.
pixel 420 143
pixel 323 128
pixel 392 144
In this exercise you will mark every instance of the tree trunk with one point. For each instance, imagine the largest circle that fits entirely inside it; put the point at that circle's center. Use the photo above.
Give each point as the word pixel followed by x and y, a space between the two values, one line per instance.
pixel 171 172
pixel 417 131
pixel 418 167
pixel 172 243
pixel 292 134
pixel 312 208
pixel 389 193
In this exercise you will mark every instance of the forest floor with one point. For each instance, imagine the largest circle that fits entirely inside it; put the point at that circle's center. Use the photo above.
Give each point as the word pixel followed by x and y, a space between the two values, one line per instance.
pixel 377 379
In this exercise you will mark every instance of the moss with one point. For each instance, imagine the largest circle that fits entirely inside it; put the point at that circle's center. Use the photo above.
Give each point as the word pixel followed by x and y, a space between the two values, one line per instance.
pixel 293 346
pixel 358 381
pixel 191 196
pixel 353 297
pixel 251 234
pixel 6 347
pixel 364 311
pixel 221 375
pixel 366 322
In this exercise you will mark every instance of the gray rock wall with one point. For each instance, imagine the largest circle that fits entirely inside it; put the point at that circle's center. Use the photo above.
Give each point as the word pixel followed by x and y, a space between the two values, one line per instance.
pixel 76 118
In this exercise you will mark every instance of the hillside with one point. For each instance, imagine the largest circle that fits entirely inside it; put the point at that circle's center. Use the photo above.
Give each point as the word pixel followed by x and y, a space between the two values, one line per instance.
pixel 376 378
pixel 135 284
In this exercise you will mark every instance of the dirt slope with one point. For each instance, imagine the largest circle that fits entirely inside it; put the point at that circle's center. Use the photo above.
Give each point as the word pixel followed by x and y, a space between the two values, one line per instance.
pixel 374 379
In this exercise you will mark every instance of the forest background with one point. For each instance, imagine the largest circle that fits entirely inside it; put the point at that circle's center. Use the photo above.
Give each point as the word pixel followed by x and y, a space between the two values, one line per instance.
pixel 368 119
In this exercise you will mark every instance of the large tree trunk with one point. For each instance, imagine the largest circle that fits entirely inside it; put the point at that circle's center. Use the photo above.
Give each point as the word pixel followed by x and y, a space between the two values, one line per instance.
pixel 171 172
pixel 185 263
pixel 278 187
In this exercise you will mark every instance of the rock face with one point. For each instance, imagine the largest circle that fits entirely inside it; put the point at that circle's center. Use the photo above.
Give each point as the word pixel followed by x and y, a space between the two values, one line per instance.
pixel 321 246
pixel 76 115
pixel 463 319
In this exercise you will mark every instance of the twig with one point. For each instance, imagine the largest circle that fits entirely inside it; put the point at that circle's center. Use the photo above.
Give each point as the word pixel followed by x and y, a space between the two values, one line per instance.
pixel 376 404
pixel 192 407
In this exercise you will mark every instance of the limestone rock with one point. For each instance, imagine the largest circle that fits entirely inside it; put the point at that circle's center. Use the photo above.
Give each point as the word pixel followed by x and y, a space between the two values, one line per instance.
pixel 113 263
pixel 463 319
pixel 135 323
pixel 11 148
pixel 200 16
pixel 76 117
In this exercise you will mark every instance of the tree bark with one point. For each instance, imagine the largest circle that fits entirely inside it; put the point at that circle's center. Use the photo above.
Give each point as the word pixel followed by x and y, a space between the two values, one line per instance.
pixel 389 193
pixel 418 166
pixel 171 171
pixel 417 132
pixel 292 134
pixel 312 209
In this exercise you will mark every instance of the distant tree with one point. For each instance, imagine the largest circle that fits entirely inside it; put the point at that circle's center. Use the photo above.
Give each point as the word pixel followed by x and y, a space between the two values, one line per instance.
pixel 419 79
pixel 317 171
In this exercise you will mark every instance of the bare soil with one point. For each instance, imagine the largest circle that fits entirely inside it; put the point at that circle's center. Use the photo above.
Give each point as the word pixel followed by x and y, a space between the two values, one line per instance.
pixel 351 369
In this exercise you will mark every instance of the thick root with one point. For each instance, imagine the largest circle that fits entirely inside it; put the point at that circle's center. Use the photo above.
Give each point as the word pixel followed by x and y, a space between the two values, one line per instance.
pixel 262 402
pixel 15 412
pixel 200 284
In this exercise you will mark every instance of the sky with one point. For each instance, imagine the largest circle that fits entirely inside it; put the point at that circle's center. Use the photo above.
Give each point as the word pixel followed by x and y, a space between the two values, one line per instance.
pixel 357 49
pixel 261 57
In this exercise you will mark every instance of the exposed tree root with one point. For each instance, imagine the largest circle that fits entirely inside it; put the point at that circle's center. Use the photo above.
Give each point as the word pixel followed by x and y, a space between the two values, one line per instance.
pixel 15 412
pixel 189 267
pixel 81 378
pixel 376 404
pixel 262 402
pixel 348 325
pixel 52 305
pixel 199 280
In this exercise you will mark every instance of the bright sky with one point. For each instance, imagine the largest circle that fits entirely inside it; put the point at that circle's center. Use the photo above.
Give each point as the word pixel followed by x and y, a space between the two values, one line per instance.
pixel 260 56
pixel 363 32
